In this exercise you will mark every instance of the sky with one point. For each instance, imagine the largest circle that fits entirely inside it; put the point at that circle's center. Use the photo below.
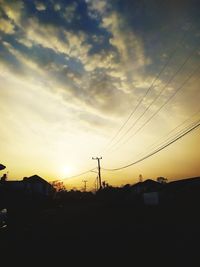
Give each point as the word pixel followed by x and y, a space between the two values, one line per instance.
pixel 91 78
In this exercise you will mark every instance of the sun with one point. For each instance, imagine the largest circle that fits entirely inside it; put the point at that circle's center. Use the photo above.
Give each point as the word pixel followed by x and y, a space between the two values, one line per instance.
pixel 66 171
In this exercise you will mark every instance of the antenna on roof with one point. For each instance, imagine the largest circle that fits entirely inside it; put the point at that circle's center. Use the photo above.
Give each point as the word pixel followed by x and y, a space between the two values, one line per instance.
pixel 140 178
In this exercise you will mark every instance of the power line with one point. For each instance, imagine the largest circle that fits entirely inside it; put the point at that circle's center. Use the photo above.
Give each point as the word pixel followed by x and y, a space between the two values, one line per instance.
pixel 157 150
pixel 148 90
pixel 155 144
pixel 78 174
pixel 179 132
pixel 155 99
pixel 162 106
pixel 172 137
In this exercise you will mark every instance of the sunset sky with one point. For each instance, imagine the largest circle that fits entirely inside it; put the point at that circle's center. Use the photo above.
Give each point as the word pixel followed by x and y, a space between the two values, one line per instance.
pixel 72 72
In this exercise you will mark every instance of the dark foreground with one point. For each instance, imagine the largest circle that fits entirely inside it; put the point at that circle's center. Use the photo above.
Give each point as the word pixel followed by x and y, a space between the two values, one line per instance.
pixel 106 233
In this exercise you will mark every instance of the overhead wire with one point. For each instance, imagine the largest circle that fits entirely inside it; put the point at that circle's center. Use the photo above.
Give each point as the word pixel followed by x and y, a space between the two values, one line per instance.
pixel 168 137
pixel 172 137
pixel 156 98
pixel 80 174
pixel 157 150
pixel 162 106
pixel 156 143
pixel 148 90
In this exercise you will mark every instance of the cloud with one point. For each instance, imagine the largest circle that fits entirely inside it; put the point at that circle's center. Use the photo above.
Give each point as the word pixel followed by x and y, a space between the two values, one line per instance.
pixel 57 7
pixel 103 60
pixel 94 122
pixel 58 39
pixel 25 41
pixel 103 89
pixel 96 8
pixel 40 6
pixel 44 35
pixel 122 37
pixel 24 61
pixel 128 45
pixel 6 26
pixel 8 63
pixel 69 12
pixel 126 60
pixel 103 73
pixel 103 97
pixel 13 9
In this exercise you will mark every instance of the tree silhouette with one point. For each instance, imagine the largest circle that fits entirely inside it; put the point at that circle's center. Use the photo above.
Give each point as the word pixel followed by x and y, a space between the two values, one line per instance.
pixel 162 180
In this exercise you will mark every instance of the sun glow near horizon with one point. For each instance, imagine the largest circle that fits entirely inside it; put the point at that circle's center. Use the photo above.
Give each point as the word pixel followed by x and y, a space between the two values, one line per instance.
pixel 66 171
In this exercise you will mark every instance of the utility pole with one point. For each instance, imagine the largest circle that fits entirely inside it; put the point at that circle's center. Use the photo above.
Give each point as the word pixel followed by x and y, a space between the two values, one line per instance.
pixel 99 170
pixel 96 183
pixel 85 185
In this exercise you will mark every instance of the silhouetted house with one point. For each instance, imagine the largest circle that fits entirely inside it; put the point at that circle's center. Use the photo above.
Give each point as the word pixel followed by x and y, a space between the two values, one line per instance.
pixel 146 187
pixel 184 190
pixel 2 167
pixel 37 185
pixel 33 185
pixel 147 191
pixel 151 198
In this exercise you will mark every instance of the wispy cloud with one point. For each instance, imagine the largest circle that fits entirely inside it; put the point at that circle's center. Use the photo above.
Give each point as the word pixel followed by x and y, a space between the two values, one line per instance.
pixel 13 10
pixel 40 6
pixel 6 26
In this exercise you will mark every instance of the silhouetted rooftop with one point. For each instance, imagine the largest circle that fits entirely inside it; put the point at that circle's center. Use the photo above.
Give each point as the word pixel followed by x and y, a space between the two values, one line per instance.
pixel 179 184
pixel 148 185
pixel 36 178
pixel 2 167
